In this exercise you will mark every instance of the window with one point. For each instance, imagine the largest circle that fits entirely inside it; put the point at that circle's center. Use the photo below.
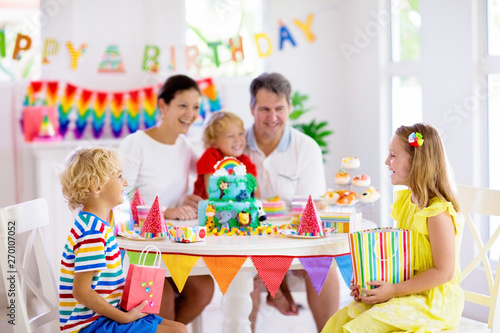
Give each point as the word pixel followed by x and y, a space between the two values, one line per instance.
pixel 406 93
pixel 406 101
pixel 405 30
pixel 220 36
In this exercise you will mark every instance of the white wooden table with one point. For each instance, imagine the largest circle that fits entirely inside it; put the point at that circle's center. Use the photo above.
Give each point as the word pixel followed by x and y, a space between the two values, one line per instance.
pixel 236 303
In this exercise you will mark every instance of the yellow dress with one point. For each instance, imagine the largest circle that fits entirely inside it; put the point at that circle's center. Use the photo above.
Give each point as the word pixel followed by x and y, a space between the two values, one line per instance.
pixel 436 309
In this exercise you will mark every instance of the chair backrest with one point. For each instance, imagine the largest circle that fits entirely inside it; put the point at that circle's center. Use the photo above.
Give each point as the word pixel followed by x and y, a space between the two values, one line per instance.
pixel 475 203
pixel 25 267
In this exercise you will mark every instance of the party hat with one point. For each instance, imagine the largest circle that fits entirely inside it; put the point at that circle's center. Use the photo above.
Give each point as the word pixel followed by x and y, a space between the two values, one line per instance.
pixel 155 225
pixel 136 201
pixel 310 223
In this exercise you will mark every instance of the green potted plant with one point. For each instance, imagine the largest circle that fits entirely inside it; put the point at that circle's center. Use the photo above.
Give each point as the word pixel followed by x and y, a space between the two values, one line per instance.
pixel 317 130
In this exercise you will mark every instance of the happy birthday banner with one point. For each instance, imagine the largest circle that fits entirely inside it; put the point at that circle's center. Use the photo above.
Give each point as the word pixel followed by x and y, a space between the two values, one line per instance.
pixel 132 109
pixel 112 62
pixel 271 269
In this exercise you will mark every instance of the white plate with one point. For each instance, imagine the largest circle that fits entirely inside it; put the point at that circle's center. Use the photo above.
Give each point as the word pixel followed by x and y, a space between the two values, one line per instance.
pixel 292 233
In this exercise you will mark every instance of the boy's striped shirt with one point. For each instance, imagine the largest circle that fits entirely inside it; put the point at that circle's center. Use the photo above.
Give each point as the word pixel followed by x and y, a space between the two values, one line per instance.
pixel 91 246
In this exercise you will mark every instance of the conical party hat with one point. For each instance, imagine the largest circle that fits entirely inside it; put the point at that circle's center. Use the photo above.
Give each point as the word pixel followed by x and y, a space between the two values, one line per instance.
pixel 310 223
pixel 136 201
pixel 155 225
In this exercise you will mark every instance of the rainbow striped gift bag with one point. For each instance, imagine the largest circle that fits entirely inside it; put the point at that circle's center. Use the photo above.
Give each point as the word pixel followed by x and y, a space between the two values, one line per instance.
pixel 381 254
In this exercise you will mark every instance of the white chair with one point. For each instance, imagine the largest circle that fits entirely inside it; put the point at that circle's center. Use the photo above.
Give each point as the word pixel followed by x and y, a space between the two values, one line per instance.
pixel 26 268
pixel 479 202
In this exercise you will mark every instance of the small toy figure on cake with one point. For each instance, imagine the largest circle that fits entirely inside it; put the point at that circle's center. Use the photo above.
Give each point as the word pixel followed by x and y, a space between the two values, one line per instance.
pixel 310 223
pixel 154 226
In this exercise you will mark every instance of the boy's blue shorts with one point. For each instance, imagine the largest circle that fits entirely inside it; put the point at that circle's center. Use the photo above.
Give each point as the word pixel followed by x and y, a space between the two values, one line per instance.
pixel 104 325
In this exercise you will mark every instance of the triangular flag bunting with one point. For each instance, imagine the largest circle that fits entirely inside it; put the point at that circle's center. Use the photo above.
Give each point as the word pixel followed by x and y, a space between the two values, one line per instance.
pixel 317 268
pixel 179 267
pixel 272 270
pixel 224 269
pixel 122 255
pixel 345 267
pixel 133 258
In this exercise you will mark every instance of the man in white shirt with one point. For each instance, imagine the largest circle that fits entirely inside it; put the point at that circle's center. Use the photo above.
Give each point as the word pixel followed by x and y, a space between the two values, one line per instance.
pixel 289 163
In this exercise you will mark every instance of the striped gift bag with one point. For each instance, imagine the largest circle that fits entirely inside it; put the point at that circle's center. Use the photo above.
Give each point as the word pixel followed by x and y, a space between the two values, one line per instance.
pixel 381 254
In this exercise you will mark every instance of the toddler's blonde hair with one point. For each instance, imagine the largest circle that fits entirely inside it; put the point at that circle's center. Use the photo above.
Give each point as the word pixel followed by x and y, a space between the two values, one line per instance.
pixel 219 121
pixel 87 168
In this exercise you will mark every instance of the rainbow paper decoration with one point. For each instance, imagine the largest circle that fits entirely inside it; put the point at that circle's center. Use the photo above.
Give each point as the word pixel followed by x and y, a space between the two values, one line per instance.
pixel 210 97
pixel 227 163
pixel 98 113
pixel 310 223
pixel 117 114
pixel 65 108
pixel 51 93
pixel 133 108
pixel 34 88
pixel 83 112
pixel 149 107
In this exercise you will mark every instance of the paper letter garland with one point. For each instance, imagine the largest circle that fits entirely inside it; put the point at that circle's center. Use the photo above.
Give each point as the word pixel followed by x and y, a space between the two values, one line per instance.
pixel 17 48
pixel 75 54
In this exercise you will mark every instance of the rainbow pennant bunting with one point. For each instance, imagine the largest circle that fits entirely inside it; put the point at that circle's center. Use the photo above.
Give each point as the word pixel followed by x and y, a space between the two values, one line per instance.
pixel 99 113
pixel 82 112
pixel 51 93
pixel 149 106
pixel 117 112
pixel 209 92
pixel 33 89
pixel 133 108
pixel 65 108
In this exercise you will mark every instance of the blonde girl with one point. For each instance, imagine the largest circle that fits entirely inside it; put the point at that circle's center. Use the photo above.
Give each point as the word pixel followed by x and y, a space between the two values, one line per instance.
pixel 432 300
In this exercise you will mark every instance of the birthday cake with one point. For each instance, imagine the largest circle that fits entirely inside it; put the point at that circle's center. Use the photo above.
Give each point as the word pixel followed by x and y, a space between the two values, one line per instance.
pixel 231 202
